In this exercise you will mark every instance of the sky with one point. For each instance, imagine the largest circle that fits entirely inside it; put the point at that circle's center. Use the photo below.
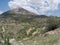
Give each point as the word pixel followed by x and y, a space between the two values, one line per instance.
pixel 41 7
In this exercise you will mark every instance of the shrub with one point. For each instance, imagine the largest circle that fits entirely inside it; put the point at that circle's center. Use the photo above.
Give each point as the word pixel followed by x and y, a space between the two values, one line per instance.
pixel 21 34
pixel 52 23
pixel 6 40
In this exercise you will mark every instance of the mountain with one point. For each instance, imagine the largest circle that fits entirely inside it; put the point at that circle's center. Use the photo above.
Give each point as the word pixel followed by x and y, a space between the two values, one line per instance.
pixel 21 27
pixel 20 15
pixel 20 11
pixel 21 24
pixel 18 18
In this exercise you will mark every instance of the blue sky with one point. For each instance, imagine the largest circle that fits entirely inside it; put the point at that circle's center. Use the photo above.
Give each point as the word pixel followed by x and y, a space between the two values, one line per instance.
pixel 47 7
pixel 4 5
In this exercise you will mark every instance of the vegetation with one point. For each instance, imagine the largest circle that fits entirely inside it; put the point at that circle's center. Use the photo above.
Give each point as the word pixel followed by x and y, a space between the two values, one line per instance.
pixel 53 23
pixel 30 29
pixel 4 38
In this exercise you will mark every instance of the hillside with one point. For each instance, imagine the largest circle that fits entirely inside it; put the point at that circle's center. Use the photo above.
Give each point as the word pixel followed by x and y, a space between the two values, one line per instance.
pixel 27 28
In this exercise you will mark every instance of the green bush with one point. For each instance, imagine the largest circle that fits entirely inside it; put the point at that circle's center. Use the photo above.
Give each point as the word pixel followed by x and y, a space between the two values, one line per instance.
pixel 21 34
pixel 6 40
pixel 52 23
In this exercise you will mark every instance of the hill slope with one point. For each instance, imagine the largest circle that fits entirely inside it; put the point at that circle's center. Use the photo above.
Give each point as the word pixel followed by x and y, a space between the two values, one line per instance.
pixel 24 27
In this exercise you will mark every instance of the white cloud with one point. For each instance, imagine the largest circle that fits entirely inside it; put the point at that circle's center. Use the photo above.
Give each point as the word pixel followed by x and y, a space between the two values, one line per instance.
pixel 1 12
pixel 37 6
